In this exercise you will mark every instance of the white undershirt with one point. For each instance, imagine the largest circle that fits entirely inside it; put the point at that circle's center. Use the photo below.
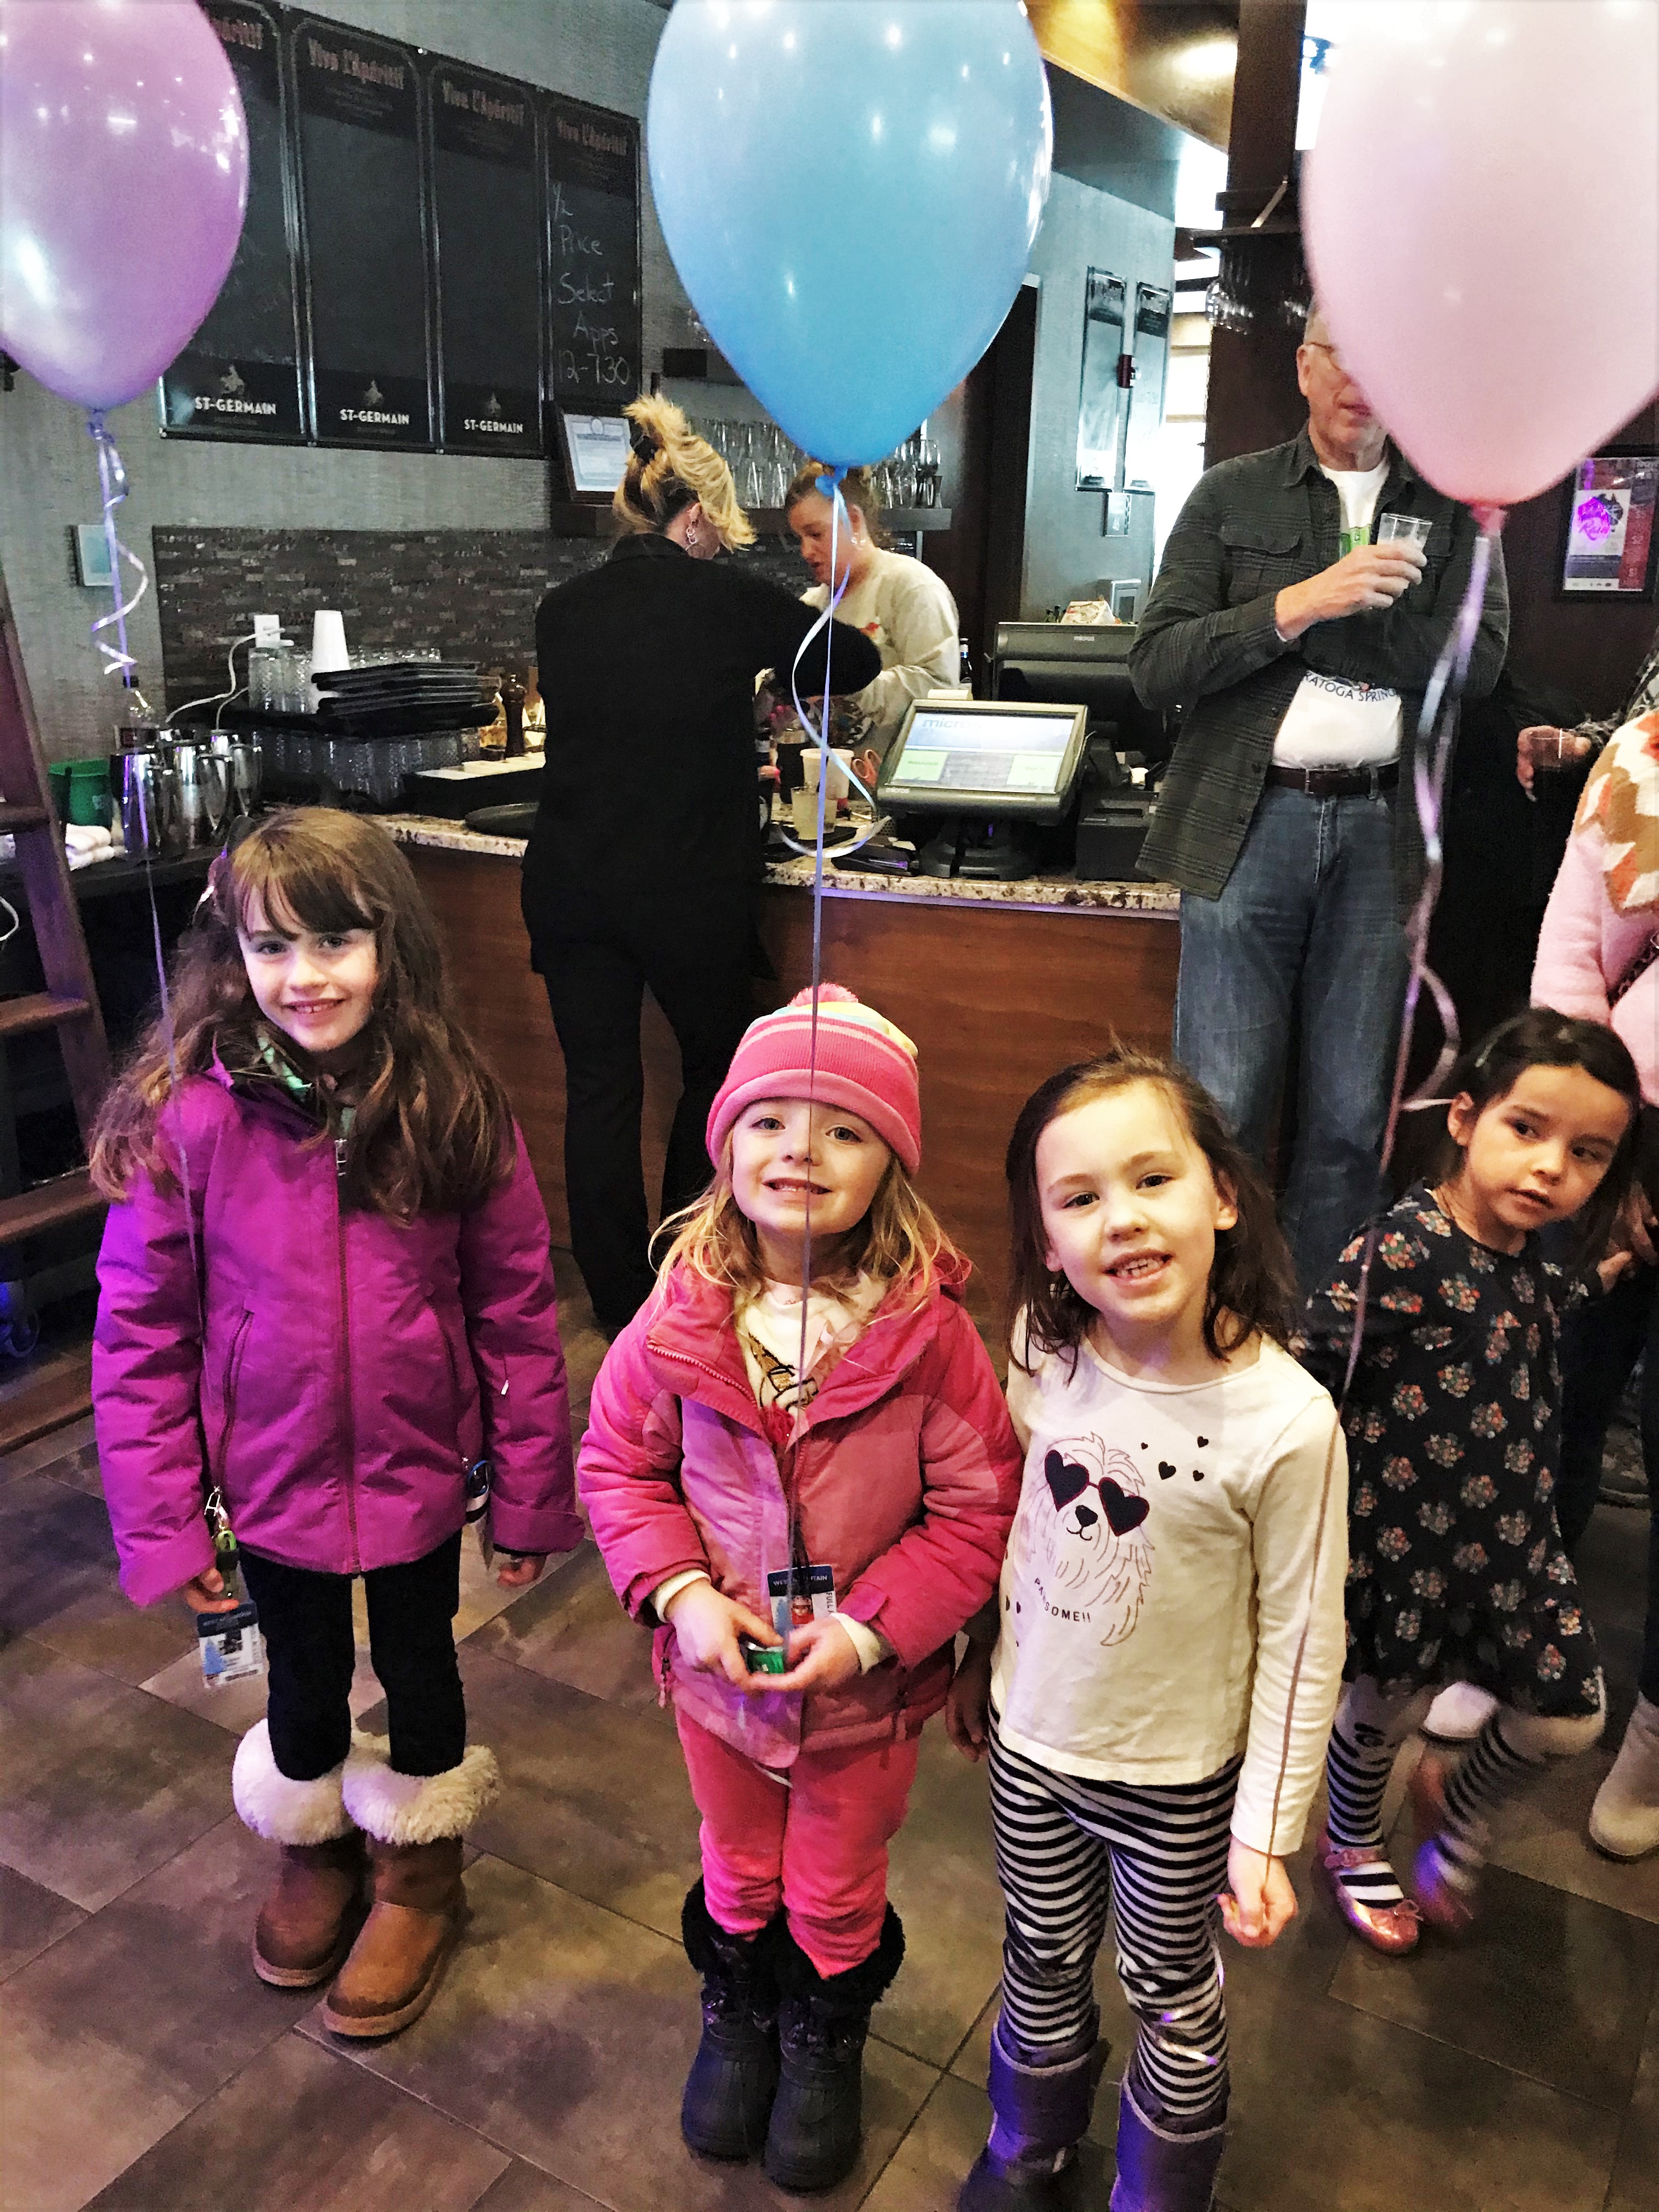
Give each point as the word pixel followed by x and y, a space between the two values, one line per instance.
pixel 1331 723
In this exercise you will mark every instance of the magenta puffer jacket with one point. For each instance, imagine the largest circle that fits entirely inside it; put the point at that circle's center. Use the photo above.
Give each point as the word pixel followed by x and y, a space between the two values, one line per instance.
pixel 907 1475
pixel 347 1371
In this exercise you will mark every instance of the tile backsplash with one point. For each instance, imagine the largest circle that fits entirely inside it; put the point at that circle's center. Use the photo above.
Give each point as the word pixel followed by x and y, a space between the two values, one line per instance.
pixel 471 595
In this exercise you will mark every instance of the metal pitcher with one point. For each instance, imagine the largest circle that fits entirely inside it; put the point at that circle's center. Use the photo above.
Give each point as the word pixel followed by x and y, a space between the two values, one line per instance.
pixel 246 770
pixel 148 803
pixel 203 786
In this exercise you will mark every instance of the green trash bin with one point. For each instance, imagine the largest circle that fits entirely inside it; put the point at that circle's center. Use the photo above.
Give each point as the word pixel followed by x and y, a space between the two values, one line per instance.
pixel 57 776
pixel 89 794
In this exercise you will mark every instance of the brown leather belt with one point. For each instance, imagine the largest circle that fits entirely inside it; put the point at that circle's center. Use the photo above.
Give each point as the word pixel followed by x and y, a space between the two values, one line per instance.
pixel 1337 782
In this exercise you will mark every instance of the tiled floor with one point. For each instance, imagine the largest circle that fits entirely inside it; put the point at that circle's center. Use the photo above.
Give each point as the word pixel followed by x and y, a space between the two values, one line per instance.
pixel 142 2066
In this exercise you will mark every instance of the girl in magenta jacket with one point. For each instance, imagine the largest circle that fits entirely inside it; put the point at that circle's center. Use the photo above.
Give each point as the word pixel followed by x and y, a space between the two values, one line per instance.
pixel 828 1494
pixel 325 1296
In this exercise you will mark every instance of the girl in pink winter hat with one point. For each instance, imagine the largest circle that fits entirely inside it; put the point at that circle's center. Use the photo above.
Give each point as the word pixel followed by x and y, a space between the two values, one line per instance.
pixel 809 1505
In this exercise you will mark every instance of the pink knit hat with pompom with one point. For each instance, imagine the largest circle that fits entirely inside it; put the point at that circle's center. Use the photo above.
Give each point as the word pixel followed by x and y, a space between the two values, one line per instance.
pixel 863 1064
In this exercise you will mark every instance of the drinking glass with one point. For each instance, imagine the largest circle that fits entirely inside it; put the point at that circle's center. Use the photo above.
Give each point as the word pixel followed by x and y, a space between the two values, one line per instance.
pixel 1416 527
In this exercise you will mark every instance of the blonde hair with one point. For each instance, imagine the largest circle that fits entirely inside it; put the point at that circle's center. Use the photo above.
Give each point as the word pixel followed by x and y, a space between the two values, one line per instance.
pixel 902 1240
pixel 857 487
pixel 670 466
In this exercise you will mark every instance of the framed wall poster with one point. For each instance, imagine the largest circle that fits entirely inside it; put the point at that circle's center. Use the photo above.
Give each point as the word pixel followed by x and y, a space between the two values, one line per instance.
pixel 363 218
pixel 239 375
pixel 594 449
pixel 1610 548
pixel 487 240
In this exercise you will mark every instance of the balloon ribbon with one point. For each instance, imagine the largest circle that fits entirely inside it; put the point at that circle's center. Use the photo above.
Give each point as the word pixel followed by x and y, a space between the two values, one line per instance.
pixel 113 483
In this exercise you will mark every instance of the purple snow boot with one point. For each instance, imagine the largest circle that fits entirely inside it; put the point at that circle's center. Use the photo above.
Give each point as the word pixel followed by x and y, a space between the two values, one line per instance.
pixel 1041 2112
pixel 1158 2172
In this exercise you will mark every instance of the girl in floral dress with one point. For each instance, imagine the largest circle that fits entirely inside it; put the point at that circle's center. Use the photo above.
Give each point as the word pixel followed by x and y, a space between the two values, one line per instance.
pixel 1455 1566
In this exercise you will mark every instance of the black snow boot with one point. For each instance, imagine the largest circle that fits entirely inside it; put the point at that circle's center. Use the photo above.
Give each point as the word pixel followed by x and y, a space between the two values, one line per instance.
pixel 734 2076
pixel 817 2120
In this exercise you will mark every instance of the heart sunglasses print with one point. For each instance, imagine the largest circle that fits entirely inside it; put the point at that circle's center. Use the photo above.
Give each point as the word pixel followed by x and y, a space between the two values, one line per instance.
pixel 1066 1481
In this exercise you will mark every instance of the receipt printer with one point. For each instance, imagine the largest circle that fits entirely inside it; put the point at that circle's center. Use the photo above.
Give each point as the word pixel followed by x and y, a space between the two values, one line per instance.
pixel 1113 817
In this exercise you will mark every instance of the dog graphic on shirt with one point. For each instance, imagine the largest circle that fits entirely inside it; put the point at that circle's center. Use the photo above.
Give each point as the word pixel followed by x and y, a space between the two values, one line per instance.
pixel 1083 1539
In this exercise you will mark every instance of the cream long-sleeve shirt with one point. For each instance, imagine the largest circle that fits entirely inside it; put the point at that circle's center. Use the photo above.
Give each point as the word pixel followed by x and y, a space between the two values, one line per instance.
pixel 1176 1551
pixel 909 616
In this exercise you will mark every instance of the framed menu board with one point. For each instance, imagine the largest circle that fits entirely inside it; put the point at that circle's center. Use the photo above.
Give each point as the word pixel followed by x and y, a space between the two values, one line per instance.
pixel 487 238
pixel 593 185
pixel 363 221
pixel 240 376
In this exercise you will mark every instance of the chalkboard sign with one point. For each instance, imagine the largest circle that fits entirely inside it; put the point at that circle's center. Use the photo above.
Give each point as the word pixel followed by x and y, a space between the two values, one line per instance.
pixel 487 237
pixel 239 375
pixel 362 211
pixel 592 161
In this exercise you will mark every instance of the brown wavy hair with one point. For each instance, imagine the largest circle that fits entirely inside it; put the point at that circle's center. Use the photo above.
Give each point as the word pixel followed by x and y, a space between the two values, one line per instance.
pixel 669 467
pixel 433 1132
pixel 857 488
pixel 1252 1288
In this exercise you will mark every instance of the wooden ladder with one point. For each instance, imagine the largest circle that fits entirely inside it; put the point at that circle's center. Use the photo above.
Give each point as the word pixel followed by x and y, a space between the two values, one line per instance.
pixel 69 1004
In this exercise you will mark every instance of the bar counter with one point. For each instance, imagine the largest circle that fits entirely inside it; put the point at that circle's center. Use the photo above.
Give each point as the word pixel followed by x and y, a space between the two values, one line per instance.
pixel 999 984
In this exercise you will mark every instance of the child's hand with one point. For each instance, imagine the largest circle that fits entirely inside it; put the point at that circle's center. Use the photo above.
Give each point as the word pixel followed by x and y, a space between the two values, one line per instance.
pixel 822 1656
pixel 968 1707
pixel 1259 1903
pixel 518 1570
pixel 206 1593
pixel 706 1627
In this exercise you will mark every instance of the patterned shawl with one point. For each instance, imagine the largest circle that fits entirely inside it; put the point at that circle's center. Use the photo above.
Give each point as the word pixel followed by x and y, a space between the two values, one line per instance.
pixel 1622 800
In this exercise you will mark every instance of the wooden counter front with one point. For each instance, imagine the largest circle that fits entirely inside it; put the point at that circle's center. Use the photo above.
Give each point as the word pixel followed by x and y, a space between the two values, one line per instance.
pixel 996 996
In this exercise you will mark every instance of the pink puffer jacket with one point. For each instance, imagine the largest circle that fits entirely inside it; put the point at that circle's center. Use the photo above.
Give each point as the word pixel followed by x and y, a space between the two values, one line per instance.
pixel 906 1476
pixel 349 1371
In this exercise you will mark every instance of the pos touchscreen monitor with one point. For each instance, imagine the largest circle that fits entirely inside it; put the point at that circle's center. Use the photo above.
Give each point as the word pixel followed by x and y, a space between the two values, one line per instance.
pixel 990 759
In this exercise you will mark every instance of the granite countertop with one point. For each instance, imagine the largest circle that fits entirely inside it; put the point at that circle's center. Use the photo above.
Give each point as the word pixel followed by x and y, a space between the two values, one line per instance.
pixel 1039 893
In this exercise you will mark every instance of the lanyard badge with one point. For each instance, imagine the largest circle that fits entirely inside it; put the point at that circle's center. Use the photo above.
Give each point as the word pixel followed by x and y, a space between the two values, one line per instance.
pixel 230 1642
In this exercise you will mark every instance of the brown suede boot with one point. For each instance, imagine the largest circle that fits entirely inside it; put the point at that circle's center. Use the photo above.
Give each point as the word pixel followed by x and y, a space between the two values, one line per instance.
pixel 414 1824
pixel 398 1959
pixel 305 1926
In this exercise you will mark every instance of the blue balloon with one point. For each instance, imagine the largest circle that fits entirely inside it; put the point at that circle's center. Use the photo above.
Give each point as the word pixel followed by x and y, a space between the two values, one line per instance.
pixel 850 189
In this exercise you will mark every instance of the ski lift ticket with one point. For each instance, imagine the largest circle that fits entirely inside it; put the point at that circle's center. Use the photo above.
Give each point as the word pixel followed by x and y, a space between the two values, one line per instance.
pixel 800 1594
pixel 232 1646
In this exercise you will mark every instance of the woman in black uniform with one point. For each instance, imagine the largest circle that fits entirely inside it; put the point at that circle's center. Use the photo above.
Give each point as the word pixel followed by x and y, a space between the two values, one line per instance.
pixel 643 867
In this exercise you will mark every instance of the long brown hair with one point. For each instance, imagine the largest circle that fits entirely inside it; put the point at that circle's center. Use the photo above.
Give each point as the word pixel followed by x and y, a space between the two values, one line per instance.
pixel 900 1240
pixel 669 467
pixel 432 1131
pixel 1252 1287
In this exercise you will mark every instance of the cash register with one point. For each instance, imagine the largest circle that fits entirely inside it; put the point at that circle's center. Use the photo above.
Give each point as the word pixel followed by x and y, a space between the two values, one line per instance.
pixel 989 773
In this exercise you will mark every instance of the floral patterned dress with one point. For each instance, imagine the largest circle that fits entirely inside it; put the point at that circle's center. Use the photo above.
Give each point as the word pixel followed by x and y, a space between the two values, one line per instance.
pixel 1456 1568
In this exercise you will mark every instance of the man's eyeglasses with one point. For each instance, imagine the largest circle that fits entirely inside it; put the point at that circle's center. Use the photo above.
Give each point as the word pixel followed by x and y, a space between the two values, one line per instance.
pixel 1319 345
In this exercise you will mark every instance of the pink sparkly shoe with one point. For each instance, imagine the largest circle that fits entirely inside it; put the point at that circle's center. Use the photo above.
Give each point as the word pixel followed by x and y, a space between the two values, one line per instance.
pixel 1446 1904
pixel 1391 1929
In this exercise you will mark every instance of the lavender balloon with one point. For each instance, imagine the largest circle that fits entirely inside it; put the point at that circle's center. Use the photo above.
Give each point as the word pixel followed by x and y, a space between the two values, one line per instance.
pixel 123 186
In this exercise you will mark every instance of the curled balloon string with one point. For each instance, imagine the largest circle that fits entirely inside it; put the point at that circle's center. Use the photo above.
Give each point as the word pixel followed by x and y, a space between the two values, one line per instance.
pixel 112 483
pixel 1437 730
pixel 829 485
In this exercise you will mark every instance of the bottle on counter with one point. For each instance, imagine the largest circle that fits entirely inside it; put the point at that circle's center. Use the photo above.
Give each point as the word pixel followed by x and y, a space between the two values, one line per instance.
pixel 512 698
pixel 492 737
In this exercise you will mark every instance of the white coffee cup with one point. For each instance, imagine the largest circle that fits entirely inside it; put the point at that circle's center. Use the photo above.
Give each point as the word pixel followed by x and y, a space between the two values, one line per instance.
pixel 328 642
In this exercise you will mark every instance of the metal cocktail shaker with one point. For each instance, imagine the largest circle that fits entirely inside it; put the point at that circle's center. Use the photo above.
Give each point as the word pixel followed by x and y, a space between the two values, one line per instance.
pixel 147 803
pixel 203 787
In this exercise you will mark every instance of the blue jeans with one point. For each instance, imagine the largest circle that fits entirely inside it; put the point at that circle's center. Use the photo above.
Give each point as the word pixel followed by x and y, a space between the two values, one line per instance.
pixel 1310 905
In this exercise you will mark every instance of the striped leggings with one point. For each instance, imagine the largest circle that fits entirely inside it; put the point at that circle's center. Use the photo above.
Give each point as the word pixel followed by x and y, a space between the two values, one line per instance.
pixel 1065 1846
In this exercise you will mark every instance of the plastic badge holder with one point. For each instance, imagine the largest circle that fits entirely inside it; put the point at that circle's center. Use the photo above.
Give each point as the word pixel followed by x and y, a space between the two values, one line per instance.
pixel 230 1642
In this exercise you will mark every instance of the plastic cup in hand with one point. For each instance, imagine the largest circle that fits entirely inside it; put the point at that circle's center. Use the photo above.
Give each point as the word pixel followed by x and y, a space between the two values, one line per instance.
pixel 1412 527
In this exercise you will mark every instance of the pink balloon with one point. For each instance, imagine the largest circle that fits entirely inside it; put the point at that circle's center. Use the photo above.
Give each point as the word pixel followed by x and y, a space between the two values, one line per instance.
pixel 1481 215
pixel 122 184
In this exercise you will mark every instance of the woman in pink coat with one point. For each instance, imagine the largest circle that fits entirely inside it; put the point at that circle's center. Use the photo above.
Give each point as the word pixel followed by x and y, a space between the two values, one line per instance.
pixel 324 1297
pixel 810 1503
pixel 1598 957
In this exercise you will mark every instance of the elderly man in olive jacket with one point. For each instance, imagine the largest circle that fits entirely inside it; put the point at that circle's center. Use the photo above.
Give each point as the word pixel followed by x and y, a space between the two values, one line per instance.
pixel 1300 634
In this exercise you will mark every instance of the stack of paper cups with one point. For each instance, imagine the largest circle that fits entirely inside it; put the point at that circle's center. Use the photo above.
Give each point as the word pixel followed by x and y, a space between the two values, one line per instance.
pixel 328 645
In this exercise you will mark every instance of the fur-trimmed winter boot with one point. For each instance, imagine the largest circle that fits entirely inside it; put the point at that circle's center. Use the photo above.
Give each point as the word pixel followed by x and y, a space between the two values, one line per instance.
pixel 817 2115
pixel 1624 1820
pixel 414 1824
pixel 1040 2113
pixel 305 1926
pixel 1159 2171
pixel 734 2076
